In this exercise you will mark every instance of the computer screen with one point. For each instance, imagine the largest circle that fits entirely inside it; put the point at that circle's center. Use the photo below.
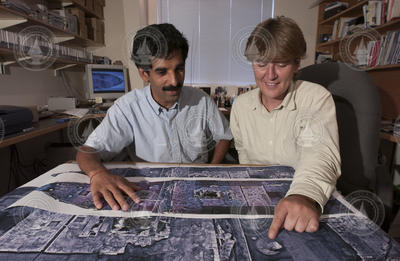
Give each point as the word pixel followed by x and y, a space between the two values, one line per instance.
pixel 106 81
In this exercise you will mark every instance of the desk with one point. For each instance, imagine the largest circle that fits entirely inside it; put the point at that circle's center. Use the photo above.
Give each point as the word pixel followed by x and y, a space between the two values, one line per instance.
pixel 40 128
pixel 187 213
pixel 43 127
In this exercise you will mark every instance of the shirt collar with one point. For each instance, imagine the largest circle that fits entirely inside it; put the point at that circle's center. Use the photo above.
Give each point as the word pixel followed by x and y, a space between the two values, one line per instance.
pixel 157 108
pixel 288 102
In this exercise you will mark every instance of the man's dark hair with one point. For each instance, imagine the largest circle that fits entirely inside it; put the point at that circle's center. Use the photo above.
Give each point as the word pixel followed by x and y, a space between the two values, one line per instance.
pixel 157 41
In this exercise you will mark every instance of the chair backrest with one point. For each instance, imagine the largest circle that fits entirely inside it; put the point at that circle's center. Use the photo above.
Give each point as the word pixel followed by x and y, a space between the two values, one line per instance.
pixel 358 113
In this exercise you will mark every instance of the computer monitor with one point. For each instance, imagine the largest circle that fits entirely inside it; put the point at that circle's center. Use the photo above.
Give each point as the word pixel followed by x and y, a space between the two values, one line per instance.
pixel 106 81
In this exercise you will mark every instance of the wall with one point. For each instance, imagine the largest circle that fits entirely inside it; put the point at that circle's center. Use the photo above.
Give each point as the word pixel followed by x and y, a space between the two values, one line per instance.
pixel 305 17
pixel 122 20
pixel 23 87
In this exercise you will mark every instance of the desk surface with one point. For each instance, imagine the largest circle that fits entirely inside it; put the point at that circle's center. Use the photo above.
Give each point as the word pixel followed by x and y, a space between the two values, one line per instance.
pixel 40 128
pixel 186 213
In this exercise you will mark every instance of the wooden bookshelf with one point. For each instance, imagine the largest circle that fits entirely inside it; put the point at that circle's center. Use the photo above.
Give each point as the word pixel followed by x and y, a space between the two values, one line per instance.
pixel 392 25
pixel 353 10
pixel 382 67
pixel 76 41
pixel 389 137
pixel 89 12
pixel 385 77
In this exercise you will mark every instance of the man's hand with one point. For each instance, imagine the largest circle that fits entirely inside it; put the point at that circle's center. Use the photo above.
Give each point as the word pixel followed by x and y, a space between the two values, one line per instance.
pixel 296 212
pixel 112 188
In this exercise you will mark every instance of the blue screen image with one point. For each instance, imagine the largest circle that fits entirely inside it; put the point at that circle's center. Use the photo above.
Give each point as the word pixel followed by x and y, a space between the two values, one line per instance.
pixel 108 80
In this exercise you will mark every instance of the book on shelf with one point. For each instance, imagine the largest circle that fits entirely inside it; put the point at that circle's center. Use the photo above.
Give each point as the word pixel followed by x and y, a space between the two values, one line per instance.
pixel 373 51
pixel 384 51
pixel 372 13
pixel 334 29
pixel 346 25
pixel 323 58
pixel 384 11
pixel 33 46
pixel 334 8
pixel 393 9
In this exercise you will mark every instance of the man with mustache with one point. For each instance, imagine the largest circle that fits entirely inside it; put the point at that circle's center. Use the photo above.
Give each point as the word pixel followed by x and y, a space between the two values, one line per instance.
pixel 164 122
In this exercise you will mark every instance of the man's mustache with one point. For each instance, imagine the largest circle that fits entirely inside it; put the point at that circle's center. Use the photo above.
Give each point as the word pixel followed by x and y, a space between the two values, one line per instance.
pixel 172 87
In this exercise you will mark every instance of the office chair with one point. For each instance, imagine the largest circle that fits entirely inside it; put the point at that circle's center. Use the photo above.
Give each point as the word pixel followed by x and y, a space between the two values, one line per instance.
pixel 358 112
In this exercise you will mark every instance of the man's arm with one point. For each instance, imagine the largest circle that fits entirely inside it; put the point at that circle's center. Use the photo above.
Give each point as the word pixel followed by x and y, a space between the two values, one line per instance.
pixel 220 151
pixel 103 183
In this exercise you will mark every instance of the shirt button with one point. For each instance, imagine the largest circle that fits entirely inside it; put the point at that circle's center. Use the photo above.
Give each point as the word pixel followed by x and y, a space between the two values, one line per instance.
pixel 270 142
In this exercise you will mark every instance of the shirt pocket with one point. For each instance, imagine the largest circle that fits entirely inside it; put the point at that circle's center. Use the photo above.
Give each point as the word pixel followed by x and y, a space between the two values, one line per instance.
pixel 196 141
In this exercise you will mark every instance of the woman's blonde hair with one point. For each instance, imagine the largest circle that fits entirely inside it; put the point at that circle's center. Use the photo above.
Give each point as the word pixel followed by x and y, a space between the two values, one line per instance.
pixel 277 40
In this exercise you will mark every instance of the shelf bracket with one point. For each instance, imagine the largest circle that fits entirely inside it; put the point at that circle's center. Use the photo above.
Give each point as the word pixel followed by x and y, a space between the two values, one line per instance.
pixel 62 68
pixel 65 4
pixel 8 19
pixel 4 23
pixel 18 60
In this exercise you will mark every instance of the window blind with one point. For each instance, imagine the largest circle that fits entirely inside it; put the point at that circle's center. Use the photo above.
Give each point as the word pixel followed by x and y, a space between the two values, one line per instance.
pixel 217 31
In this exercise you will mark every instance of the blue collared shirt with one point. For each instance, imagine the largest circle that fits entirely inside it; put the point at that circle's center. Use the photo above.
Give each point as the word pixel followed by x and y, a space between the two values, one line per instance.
pixel 183 134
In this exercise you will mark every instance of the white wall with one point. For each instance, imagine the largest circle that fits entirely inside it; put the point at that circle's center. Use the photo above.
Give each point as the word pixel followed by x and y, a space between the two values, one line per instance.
pixel 122 20
pixel 305 17
pixel 23 87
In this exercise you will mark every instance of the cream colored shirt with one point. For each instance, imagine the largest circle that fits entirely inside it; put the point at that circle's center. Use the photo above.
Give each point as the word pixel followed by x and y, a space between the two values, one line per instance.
pixel 301 132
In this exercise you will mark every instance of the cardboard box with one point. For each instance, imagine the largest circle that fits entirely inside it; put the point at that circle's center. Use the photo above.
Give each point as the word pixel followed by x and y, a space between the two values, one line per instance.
pixel 80 15
pixel 95 29
pixel 80 2
pixel 83 31
pixel 89 4
pixel 98 9
pixel 91 27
